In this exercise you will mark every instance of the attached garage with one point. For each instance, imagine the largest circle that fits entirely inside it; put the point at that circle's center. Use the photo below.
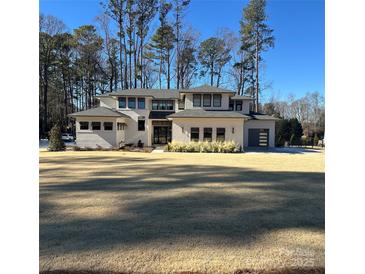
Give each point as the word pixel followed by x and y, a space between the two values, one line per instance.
pixel 258 137
pixel 259 131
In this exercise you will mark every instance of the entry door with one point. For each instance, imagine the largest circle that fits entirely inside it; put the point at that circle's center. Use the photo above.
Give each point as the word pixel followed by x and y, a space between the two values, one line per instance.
pixel 258 137
pixel 161 135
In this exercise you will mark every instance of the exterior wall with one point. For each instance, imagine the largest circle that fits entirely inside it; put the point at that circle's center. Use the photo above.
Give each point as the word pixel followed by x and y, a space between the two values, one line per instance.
pixel 108 102
pixel 181 128
pixel 260 124
pixel 93 138
pixel 224 104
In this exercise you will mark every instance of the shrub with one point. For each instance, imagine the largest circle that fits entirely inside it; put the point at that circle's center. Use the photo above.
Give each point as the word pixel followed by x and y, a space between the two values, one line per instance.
pixel 220 147
pixel 55 140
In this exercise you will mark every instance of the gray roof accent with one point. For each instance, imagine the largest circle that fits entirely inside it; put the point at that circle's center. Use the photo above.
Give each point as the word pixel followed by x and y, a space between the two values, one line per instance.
pixel 154 93
pixel 201 113
pixel 160 114
pixel 241 97
pixel 261 116
pixel 206 89
pixel 99 112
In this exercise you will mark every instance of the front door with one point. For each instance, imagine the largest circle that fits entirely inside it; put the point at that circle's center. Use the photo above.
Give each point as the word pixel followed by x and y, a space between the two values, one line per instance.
pixel 161 134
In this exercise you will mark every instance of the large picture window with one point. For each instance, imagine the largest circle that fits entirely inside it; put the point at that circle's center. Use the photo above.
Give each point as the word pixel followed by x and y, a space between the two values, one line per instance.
pixel 217 100
pixel 194 134
pixel 207 100
pixel 207 137
pixel 197 100
pixel 95 125
pixel 141 103
pixel 108 125
pixel 221 134
pixel 131 102
pixel 84 125
pixel 122 102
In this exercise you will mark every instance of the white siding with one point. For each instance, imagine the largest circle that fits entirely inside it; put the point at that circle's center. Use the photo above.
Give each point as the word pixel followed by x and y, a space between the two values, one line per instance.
pixel 181 128
pixel 260 124
pixel 108 102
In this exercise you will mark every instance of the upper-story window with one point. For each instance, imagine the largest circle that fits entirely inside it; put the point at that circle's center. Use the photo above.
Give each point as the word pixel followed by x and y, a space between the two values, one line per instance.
pixel 131 102
pixel 162 105
pixel 231 104
pixel 197 100
pixel 141 103
pixel 239 105
pixel 207 100
pixel 122 102
pixel 182 103
pixel 217 100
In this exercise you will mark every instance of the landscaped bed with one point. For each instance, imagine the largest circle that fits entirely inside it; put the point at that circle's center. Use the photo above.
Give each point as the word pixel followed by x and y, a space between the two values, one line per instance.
pixel 113 211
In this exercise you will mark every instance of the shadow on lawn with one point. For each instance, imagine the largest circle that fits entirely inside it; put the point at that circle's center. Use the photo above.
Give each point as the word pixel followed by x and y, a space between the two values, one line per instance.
pixel 234 204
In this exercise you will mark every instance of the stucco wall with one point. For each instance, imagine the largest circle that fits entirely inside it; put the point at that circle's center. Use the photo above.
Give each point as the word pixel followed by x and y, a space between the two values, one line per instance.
pixel 93 138
pixel 181 128
pixel 260 124
pixel 108 102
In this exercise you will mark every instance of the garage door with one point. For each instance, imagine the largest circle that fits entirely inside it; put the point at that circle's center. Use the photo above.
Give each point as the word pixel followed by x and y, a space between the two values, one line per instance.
pixel 258 137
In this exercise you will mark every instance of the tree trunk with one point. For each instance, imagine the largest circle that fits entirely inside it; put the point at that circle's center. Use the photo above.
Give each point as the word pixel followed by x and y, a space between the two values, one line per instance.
pixel 257 76
pixel 211 74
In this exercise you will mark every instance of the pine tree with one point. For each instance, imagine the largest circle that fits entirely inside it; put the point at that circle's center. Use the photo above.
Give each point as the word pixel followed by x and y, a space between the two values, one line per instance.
pixel 257 34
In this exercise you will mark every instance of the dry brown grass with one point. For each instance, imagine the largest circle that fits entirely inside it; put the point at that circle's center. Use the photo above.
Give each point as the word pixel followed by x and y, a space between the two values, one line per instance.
pixel 137 212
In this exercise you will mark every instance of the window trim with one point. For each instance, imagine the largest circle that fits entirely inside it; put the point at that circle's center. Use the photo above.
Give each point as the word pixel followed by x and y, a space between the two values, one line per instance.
pixel 108 123
pixel 211 134
pixel 120 126
pixel 210 100
pixel 144 125
pixel 220 100
pixel 125 102
pixel 133 99
pixel 200 100
pixel 95 122
pixel 191 134
pixel 88 125
pixel 139 99
pixel 224 134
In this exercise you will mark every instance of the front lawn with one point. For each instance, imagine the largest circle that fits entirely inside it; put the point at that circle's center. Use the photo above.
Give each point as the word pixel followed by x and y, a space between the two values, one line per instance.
pixel 173 212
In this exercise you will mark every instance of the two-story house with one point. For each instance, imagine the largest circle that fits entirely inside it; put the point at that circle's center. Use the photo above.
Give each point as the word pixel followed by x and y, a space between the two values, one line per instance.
pixel 155 117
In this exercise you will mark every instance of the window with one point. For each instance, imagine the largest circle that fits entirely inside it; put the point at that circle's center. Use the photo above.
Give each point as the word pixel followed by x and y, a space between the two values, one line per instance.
pixel 239 105
pixel 231 105
pixel 197 100
pixel 120 126
pixel 95 125
pixel 182 103
pixel 194 134
pixel 141 103
pixel 217 100
pixel 122 102
pixel 162 105
pixel 207 137
pixel 131 102
pixel 141 125
pixel 108 125
pixel 221 134
pixel 207 100
pixel 84 125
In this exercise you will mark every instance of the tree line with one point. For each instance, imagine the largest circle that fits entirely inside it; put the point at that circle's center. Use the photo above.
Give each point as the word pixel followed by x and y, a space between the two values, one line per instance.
pixel 145 44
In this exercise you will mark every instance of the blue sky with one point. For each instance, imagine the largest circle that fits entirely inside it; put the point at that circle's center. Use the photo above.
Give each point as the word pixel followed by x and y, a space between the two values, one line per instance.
pixel 294 66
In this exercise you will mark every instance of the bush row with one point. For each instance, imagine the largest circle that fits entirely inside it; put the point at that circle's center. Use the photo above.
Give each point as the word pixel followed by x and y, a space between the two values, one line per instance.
pixel 219 147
